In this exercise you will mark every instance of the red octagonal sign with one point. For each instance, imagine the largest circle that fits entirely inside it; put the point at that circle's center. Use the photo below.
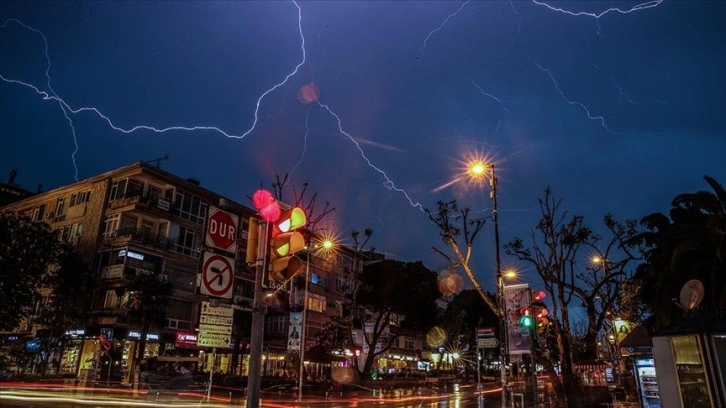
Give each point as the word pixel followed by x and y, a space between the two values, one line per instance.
pixel 222 230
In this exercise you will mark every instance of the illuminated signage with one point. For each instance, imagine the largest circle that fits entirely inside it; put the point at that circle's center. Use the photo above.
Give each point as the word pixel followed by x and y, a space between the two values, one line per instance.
pixel 186 338
pixel 131 254
pixel 136 335
pixel 76 332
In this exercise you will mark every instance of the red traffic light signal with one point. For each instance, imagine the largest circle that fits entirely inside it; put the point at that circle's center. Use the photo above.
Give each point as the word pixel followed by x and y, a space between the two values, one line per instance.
pixel 284 243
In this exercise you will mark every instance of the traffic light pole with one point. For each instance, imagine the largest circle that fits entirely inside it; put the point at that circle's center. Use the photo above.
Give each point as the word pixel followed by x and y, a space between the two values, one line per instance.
pixel 259 308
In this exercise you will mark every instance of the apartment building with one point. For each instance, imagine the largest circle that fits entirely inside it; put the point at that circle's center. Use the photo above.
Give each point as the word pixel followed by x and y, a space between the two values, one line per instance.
pixel 139 219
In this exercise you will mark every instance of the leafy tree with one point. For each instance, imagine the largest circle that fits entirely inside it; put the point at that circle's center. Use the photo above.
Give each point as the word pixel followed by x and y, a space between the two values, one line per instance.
pixel 27 250
pixel 688 243
pixel 392 290
pixel 464 314
pixel 69 286
pixel 147 299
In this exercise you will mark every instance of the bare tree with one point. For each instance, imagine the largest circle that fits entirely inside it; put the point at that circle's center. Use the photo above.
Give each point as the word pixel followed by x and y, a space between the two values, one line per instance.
pixel 455 225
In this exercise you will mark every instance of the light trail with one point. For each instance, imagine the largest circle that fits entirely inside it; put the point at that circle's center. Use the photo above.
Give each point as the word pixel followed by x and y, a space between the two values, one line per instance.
pixel 637 7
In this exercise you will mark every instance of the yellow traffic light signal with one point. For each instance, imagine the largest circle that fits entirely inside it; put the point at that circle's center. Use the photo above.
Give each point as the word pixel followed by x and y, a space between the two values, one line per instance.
pixel 284 243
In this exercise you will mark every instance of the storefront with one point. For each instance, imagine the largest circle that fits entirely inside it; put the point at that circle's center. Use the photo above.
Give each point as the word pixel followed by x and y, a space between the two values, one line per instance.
pixel 637 347
pixel 690 358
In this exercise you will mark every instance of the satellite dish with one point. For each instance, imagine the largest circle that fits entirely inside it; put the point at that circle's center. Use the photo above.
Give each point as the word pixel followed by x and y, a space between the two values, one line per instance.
pixel 692 294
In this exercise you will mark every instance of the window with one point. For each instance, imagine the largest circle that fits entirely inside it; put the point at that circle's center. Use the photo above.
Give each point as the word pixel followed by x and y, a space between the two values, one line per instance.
pixel 112 223
pixel 185 241
pixel 316 302
pixel 125 188
pixel 179 310
pixel 80 198
pixel 60 208
pixel 182 280
pixel 190 207
pixel 112 300
pixel 276 324
pixel 39 213
pixel 408 343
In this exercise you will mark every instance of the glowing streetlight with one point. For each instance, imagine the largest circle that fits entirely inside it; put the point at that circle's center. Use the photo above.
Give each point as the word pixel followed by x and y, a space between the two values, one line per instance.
pixel 479 170
pixel 323 246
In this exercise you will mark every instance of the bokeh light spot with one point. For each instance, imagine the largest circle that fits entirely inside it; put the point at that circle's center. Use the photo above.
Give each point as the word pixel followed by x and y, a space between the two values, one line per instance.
pixel 450 283
pixel 435 337
pixel 308 93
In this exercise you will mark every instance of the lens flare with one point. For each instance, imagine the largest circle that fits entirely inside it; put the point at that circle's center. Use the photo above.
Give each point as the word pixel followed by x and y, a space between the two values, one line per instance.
pixel 435 337
pixel 308 93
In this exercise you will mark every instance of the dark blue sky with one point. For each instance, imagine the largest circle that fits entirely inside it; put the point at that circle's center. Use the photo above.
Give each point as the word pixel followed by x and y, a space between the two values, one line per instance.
pixel 616 113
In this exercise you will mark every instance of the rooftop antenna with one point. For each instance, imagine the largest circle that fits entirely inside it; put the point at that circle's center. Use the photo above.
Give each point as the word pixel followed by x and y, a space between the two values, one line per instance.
pixel 158 160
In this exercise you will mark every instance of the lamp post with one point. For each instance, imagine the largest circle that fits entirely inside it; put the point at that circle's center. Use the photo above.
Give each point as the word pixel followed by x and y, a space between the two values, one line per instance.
pixel 326 245
pixel 477 169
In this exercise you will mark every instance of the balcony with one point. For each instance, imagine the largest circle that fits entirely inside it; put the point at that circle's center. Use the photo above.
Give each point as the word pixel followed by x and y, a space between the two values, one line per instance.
pixel 148 201
pixel 121 271
pixel 141 237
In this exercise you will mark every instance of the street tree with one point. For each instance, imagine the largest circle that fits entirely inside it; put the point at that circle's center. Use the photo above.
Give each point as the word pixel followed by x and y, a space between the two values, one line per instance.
pixel 398 297
pixel 67 288
pixel 457 230
pixel 147 297
pixel 466 312
pixel 688 243
pixel 27 250
pixel 558 246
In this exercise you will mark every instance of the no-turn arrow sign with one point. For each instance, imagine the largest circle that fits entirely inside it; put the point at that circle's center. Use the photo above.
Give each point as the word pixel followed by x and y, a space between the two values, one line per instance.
pixel 217 276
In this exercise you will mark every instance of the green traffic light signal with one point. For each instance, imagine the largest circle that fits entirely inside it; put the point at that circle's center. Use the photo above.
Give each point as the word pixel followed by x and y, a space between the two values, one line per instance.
pixel 526 321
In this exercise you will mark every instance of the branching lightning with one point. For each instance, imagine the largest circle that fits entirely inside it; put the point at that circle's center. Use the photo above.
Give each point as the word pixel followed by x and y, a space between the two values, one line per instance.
pixel 637 7
pixel 519 25
pixel 388 183
pixel 64 106
pixel 590 116
pixel 426 40
pixel 305 142
pixel 490 95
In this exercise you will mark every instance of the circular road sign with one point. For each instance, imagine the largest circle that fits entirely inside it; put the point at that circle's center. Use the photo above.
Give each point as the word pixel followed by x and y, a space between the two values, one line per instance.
pixel 217 275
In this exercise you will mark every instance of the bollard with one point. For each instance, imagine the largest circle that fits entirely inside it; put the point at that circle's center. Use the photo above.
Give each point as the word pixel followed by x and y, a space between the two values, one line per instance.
pixel 230 398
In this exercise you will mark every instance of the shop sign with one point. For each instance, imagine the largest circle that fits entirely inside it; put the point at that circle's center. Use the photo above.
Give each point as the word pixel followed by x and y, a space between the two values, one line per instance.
pixel 149 336
pixel 76 332
pixel 186 338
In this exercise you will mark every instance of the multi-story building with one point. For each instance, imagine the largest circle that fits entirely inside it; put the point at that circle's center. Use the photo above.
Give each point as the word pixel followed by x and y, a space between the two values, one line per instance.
pixel 134 220
pixel 141 220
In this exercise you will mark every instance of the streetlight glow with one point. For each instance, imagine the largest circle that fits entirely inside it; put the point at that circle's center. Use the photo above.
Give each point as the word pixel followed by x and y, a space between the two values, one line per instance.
pixel 510 274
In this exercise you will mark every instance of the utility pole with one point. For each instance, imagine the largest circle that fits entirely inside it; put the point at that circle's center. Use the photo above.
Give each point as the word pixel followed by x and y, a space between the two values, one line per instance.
pixel 259 309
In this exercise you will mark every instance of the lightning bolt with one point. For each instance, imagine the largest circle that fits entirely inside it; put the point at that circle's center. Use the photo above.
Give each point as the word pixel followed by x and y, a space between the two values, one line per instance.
pixel 305 142
pixel 490 96
pixel 426 40
pixel 388 183
pixel 67 108
pixel 519 25
pixel 62 105
pixel 637 7
pixel 590 116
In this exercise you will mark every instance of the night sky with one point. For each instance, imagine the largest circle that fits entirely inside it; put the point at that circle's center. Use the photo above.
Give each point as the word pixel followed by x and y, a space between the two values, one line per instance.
pixel 618 111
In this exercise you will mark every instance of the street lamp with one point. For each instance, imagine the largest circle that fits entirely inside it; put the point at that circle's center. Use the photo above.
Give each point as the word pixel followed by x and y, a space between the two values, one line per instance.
pixel 477 171
pixel 615 355
pixel 325 245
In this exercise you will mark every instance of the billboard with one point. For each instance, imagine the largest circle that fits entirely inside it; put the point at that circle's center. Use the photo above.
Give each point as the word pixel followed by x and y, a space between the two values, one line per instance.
pixel 515 298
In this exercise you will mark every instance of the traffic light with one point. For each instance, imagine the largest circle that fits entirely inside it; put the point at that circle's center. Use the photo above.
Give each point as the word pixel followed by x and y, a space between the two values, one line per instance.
pixel 525 318
pixel 539 309
pixel 284 243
